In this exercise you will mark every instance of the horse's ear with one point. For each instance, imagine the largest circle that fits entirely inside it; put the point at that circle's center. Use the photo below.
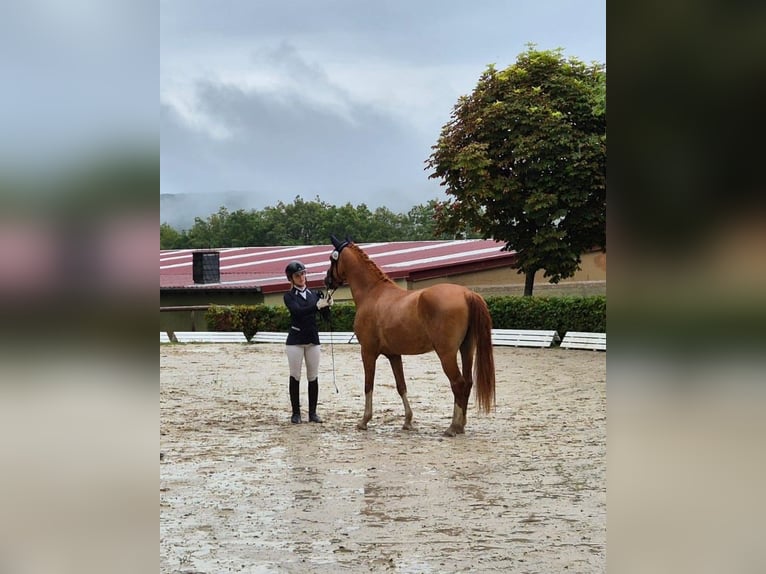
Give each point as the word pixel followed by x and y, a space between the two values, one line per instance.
pixel 349 239
pixel 335 241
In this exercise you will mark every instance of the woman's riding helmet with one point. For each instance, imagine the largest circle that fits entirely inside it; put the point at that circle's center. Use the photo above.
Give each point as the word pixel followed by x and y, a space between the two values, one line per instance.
pixel 294 267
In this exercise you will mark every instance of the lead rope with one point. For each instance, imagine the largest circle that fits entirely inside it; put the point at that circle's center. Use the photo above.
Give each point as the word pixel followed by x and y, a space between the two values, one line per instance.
pixel 332 346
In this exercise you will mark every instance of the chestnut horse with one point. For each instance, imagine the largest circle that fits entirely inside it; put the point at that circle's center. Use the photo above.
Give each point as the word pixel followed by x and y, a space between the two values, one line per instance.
pixel 392 321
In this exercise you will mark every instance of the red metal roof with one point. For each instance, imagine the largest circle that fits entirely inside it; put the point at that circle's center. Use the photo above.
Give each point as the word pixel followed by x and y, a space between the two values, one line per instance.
pixel 263 267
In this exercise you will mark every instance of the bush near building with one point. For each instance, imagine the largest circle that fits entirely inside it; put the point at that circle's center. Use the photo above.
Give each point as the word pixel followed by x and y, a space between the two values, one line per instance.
pixel 561 314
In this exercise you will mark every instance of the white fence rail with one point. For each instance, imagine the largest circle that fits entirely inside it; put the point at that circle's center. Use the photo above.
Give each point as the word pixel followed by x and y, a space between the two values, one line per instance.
pixel 500 337
pixel 581 340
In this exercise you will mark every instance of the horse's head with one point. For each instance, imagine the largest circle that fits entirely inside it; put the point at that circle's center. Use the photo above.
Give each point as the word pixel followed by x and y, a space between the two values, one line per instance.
pixel 335 276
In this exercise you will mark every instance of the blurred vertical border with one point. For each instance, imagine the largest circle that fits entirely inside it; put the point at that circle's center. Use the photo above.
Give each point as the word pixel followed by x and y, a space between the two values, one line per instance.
pixel 686 286
pixel 79 181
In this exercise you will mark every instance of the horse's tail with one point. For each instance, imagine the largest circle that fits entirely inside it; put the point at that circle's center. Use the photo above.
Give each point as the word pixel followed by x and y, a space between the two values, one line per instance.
pixel 480 325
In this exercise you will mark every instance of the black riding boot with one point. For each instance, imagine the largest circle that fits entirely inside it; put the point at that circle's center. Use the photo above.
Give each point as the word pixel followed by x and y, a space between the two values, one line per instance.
pixel 313 398
pixel 295 400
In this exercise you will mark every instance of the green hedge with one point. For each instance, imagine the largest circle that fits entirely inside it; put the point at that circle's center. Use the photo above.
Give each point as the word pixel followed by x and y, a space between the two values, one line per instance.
pixel 561 314
pixel 252 318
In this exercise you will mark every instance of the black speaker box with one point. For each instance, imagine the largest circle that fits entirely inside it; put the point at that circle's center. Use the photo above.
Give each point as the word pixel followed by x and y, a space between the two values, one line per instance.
pixel 206 267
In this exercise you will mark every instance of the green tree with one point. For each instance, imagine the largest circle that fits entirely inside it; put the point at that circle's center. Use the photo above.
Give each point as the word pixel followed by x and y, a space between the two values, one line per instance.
pixel 239 228
pixel 422 224
pixel 210 233
pixel 524 159
pixel 169 237
pixel 245 228
pixel 298 223
pixel 355 222
pixel 303 223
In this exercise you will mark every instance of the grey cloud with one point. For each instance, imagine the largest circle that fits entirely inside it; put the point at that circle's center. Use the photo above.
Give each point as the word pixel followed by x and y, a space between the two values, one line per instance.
pixel 77 76
pixel 307 135
pixel 284 145
pixel 421 31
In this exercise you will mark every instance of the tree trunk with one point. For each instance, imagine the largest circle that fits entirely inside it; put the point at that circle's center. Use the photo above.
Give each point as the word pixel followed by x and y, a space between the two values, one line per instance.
pixel 529 283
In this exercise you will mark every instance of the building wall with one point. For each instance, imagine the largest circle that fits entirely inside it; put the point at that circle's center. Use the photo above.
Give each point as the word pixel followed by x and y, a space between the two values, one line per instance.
pixel 570 288
pixel 183 321
pixel 589 280
pixel 210 296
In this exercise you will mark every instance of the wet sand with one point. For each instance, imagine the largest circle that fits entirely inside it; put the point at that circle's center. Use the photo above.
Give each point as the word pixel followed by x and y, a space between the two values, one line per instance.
pixel 243 490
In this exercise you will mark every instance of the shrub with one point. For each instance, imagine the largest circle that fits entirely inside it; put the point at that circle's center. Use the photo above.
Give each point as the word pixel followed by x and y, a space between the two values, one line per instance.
pixel 561 314
pixel 252 318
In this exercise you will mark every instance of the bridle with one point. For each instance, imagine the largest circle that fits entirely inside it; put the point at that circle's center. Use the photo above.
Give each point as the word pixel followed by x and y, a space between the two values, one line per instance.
pixel 331 273
pixel 334 256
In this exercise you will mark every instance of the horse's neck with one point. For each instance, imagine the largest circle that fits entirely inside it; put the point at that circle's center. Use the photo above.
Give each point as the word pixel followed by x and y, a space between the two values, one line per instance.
pixel 365 280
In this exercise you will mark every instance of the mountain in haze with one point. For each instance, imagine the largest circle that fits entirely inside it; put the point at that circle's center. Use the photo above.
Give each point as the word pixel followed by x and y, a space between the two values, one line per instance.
pixel 180 209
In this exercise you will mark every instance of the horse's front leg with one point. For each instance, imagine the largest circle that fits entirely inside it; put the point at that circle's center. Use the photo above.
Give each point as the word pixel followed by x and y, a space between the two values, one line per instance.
pixel 401 387
pixel 368 360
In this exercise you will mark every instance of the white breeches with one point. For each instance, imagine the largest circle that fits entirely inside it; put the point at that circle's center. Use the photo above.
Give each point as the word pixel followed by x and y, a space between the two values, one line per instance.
pixel 295 356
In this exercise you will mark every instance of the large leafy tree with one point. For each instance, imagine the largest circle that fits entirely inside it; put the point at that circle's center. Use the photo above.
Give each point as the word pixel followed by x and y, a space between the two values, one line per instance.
pixel 524 161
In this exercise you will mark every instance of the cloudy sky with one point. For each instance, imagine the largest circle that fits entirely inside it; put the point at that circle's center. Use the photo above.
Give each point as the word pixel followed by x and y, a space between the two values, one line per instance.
pixel 340 99
pixel 75 73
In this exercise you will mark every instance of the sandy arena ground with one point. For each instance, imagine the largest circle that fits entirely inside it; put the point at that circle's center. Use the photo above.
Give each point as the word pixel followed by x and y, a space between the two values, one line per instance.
pixel 243 490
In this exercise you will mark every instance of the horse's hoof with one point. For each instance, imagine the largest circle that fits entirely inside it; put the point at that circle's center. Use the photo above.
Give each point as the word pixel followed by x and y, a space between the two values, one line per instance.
pixel 408 426
pixel 450 432
pixel 361 426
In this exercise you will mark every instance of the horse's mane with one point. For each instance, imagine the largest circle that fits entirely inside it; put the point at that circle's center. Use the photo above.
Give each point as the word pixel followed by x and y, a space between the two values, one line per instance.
pixel 370 263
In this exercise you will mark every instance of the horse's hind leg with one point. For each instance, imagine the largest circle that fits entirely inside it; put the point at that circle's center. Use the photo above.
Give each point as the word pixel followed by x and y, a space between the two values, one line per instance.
pixel 458 384
pixel 401 387
pixel 466 354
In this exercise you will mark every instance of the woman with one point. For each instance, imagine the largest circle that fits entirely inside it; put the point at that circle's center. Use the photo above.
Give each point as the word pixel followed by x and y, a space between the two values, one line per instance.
pixel 303 338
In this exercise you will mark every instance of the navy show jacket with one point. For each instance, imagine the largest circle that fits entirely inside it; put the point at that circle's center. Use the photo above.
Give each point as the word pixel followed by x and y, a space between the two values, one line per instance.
pixel 303 329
